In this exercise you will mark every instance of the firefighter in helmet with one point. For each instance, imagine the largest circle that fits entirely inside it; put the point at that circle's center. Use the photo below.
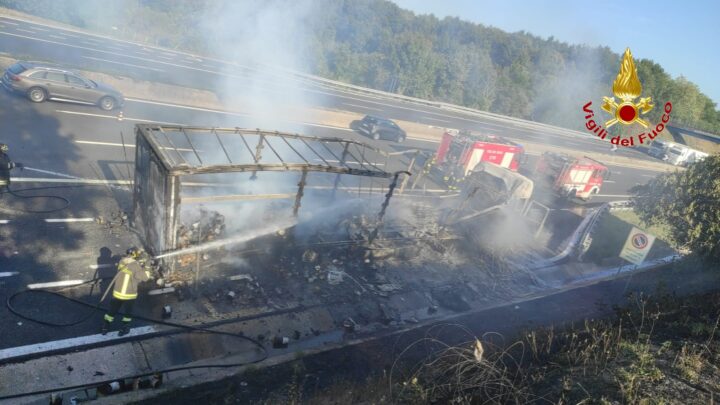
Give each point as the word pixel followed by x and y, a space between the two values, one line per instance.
pixel 5 166
pixel 124 286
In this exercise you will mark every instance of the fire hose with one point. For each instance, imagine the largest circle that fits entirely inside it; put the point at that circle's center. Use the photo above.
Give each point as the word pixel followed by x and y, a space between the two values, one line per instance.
pixel 65 201
pixel 96 307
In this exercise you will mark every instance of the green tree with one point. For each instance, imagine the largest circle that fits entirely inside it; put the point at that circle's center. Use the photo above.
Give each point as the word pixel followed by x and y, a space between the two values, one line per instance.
pixel 689 203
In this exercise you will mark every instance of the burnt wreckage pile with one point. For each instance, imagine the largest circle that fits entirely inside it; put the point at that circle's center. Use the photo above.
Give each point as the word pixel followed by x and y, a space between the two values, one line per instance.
pixel 193 184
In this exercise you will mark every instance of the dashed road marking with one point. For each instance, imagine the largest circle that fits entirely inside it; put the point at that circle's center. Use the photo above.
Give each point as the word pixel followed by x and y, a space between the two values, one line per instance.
pixel 115 117
pixel 436 119
pixel 127 145
pixel 57 37
pixel 15 352
pixel 362 106
pixel 51 284
pixel 68 220
pixel 124 64
pixel 28 31
pixel 8 273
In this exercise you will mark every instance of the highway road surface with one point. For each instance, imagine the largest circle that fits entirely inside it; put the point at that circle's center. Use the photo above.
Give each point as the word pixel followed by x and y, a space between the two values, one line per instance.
pixel 65 142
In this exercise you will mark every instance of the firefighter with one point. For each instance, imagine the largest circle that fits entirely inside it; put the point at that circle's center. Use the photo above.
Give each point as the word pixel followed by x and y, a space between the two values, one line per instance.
pixel 125 286
pixel 5 166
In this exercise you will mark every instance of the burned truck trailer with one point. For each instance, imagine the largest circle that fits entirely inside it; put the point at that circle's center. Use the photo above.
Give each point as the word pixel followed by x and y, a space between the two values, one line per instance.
pixel 180 166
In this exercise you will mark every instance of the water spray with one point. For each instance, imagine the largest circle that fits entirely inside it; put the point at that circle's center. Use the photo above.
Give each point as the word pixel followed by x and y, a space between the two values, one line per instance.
pixel 268 230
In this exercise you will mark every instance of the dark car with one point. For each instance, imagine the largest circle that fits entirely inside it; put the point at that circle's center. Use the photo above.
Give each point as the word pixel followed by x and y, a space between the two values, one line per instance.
pixel 40 82
pixel 381 128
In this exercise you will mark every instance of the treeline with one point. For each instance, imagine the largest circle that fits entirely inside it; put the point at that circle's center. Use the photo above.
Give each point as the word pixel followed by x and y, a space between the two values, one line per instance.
pixel 376 44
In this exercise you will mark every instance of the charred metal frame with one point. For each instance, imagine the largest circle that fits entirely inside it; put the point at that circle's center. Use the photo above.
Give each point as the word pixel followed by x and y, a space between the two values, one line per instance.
pixel 160 163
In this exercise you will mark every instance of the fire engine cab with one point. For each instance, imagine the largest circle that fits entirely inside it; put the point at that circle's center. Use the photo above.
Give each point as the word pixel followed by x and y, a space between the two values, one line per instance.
pixel 572 177
pixel 460 152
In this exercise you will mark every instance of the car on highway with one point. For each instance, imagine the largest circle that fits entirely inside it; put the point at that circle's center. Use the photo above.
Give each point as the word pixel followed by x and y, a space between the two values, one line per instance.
pixel 40 82
pixel 381 128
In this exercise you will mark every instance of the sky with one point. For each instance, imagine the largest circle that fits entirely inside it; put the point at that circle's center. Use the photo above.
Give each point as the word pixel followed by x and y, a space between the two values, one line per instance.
pixel 682 36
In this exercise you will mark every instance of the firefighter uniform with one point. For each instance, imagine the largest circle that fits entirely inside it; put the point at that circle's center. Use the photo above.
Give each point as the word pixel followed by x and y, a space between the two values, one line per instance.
pixel 5 166
pixel 125 286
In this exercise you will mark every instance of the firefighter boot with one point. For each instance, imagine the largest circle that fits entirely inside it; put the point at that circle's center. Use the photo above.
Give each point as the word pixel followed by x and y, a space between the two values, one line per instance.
pixel 125 327
pixel 105 327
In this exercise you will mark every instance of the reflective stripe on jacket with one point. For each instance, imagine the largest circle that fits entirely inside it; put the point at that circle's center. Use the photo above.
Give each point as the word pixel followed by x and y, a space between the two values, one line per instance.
pixel 130 274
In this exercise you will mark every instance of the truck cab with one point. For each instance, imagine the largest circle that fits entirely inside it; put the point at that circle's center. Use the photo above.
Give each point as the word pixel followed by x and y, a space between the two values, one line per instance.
pixel 460 152
pixel 573 177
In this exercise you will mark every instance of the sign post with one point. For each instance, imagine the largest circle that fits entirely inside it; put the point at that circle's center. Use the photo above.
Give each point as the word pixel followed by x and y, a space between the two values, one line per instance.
pixel 637 246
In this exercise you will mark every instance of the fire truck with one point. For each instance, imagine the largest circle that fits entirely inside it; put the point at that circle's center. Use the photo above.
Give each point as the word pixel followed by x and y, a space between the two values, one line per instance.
pixel 572 177
pixel 460 152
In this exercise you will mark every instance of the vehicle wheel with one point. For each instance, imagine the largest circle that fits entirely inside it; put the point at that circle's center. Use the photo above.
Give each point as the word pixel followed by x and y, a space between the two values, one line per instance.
pixel 376 135
pixel 400 139
pixel 37 95
pixel 107 103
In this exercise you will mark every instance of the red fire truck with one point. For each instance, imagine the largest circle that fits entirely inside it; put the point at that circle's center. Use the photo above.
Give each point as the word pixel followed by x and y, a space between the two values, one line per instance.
pixel 460 152
pixel 572 177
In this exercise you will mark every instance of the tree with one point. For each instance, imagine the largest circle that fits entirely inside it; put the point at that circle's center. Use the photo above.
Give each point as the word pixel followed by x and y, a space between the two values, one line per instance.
pixel 689 203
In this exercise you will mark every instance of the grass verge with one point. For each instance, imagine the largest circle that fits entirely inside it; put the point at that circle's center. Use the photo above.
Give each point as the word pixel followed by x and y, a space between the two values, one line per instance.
pixel 612 232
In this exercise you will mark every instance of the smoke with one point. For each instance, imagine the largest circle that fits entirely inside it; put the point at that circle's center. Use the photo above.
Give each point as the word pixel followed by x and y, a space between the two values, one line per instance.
pixel 267 40
pixel 564 85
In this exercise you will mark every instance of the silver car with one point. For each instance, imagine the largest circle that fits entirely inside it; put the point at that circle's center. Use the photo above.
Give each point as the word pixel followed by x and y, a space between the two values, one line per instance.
pixel 44 82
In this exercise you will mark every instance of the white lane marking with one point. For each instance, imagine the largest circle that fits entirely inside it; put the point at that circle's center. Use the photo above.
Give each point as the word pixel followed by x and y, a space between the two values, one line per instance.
pixel 39 29
pixel 63 283
pixel 613 195
pixel 123 63
pixel 207 66
pixel 57 37
pixel 69 181
pixel 362 106
pixel 609 181
pixel 13 352
pixel 58 220
pixel 436 119
pixel 28 31
pixel 100 182
pixel 8 273
pixel 8 22
pixel 414 138
pixel 127 145
pixel 4 221
pixel 115 117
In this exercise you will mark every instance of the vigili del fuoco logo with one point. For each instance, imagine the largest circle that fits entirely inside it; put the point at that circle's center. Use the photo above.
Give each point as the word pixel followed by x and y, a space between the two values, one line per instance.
pixel 627 88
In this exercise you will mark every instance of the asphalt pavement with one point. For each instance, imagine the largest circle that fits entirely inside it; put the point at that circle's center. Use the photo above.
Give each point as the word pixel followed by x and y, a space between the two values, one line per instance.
pixel 61 143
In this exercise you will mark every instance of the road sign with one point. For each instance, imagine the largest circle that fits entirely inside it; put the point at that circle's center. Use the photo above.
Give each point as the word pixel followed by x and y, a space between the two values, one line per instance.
pixel 637 246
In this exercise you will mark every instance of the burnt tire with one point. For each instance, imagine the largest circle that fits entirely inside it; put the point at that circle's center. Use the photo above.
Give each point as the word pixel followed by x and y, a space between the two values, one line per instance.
pixel 107 103
pixel 37 94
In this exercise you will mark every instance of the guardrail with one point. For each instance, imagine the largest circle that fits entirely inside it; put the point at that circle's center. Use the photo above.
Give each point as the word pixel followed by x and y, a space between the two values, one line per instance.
pixel 346 87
